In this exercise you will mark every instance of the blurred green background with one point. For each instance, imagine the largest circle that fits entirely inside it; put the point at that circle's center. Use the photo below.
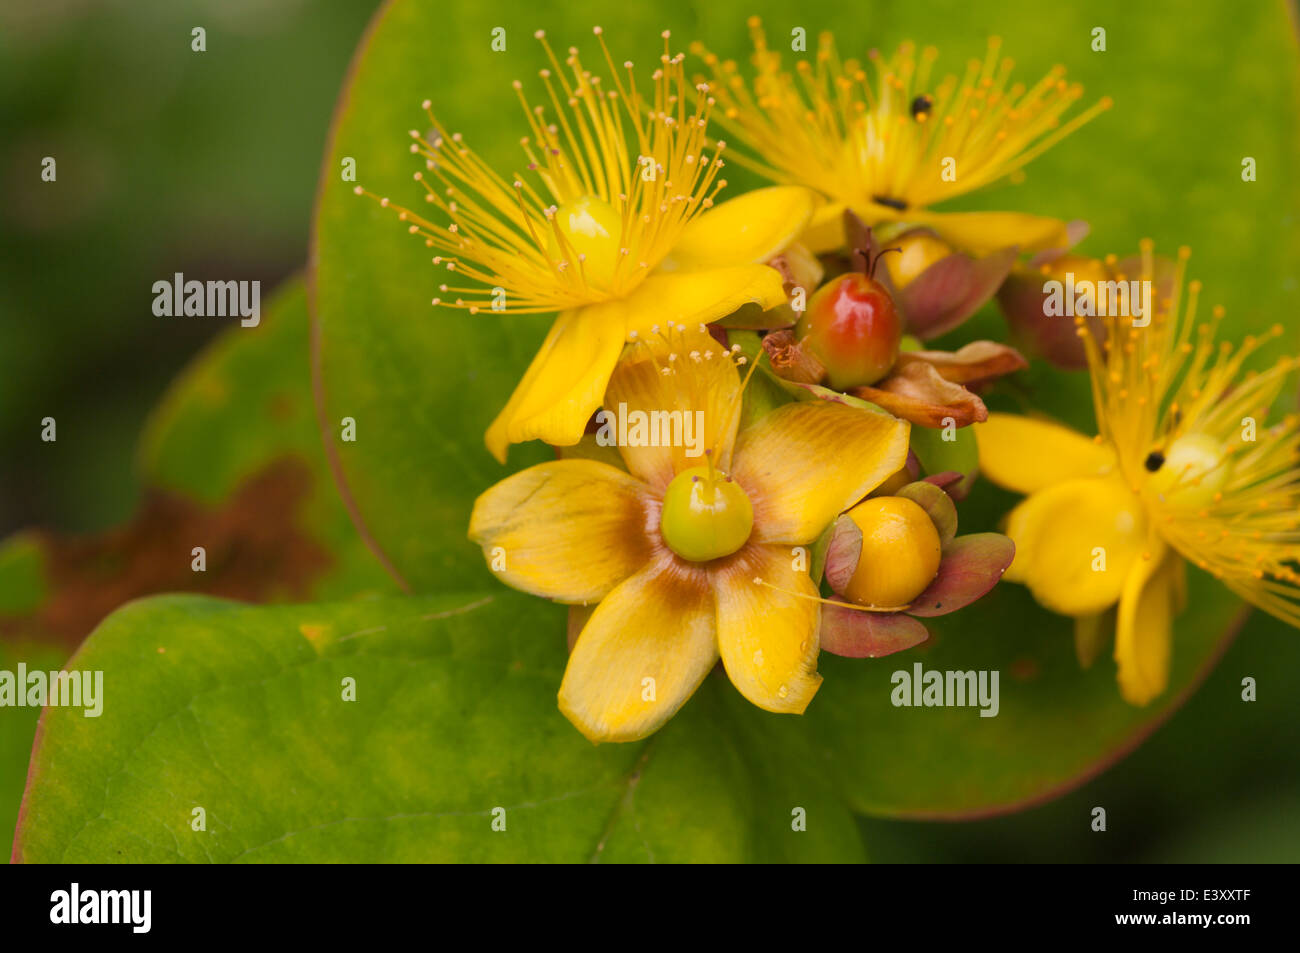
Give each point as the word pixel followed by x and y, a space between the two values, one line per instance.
pixel 170 160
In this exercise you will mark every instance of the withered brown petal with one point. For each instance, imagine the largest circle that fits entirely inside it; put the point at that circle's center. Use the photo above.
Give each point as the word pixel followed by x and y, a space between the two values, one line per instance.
pixel 976 361
pixel 791 361
pixel 918 393
pixel 799 268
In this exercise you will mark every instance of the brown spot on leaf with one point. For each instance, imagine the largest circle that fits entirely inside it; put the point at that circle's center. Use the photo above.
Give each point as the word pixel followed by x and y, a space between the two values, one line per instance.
pixel 1024 669
pixel 281 407
pixel 256 550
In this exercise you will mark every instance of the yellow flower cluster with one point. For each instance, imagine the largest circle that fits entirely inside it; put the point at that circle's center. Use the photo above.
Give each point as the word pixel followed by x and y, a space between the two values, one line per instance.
pixel 677 554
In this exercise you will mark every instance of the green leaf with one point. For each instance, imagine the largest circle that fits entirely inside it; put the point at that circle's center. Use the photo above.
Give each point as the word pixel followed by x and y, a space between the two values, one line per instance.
pixel 240 421
pixel 421 384
pixel 23 585
pixel 233 460
pixel 24 588
pixel 233 463
pixel 1164 163
pixel 241 711
pixel 18 726
pixel 1056 726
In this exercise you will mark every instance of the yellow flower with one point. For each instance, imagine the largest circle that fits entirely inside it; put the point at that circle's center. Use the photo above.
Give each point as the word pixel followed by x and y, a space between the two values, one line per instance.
pixel 613 235
pixel 690 558
pixel 1184 468
pixel 890 146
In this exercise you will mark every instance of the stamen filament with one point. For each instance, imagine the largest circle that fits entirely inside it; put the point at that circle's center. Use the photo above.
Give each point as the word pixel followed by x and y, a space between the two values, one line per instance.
pixel 758 581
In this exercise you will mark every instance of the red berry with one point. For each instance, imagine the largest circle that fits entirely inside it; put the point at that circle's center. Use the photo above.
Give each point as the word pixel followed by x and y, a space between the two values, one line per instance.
pixel 853 328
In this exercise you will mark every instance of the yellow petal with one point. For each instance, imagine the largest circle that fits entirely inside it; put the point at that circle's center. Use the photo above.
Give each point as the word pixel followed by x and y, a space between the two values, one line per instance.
pixel 702 390
pixel 1076 542
pixel 1091 632
pixel 750 228
pixel 825 231
pixel 1143 632
pixel 805 462
pixel 589 448
pixel 570 530
pixel 1025 454
pixel 767 638
pixel 565 382
pixel 983 233
pixel 644 651
pixel 698 297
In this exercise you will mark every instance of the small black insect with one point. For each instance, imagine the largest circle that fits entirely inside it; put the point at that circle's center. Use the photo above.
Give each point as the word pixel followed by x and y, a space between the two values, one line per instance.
pixel 892 203
pixel 1155 460
pixel 921 106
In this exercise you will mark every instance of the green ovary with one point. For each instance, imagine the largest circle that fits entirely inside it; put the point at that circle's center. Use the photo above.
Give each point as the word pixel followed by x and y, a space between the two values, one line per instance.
pixel 706 515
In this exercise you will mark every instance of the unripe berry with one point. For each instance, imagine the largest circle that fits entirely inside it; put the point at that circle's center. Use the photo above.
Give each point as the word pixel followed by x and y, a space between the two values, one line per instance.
pixel 853 328
pixel 900 552
pixel 706 515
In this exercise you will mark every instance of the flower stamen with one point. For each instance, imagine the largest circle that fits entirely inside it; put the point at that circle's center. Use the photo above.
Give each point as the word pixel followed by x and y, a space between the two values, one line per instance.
pixel 856 138
pixel 758 581
pixel 648 162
